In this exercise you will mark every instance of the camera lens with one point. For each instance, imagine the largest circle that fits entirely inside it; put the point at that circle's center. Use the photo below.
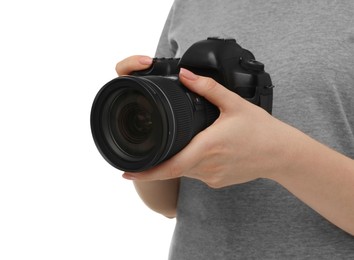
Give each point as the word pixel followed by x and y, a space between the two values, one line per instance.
pixel 134 123
pixel 138 122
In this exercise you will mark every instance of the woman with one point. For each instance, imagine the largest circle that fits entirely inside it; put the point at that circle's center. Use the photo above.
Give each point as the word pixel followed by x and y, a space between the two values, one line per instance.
pixel 254 185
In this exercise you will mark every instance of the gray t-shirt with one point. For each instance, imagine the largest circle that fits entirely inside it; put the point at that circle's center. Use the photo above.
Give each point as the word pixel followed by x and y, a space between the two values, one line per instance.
pixel 308 49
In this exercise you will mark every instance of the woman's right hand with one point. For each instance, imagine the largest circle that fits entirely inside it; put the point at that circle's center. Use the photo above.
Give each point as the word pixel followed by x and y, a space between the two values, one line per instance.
pixel 160 196
pixel 133 63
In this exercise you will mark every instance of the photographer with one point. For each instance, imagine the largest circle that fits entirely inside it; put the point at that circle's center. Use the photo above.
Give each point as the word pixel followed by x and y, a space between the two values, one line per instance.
pixel 252 185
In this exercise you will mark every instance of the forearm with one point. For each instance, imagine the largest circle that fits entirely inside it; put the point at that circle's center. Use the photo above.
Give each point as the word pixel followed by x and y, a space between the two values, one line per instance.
pixel 160 196
pixel 322 178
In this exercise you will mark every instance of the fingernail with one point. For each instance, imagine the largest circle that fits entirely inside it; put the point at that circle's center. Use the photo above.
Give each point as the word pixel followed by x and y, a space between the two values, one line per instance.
pixel 145 60
pixel 188 74
pixel 128 177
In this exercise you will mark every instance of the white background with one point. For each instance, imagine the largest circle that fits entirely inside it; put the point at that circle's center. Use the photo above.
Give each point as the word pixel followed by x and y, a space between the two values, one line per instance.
pixel 59 199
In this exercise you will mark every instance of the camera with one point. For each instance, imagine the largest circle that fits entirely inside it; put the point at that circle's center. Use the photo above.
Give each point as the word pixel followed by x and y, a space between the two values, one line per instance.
pixel 142 119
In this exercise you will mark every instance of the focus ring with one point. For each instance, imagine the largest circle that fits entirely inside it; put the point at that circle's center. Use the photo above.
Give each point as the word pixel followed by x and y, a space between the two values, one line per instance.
pixel 182 111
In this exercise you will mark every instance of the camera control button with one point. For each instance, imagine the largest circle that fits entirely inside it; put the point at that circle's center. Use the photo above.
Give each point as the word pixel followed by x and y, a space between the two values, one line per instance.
pixel 197 100
pixel 252 65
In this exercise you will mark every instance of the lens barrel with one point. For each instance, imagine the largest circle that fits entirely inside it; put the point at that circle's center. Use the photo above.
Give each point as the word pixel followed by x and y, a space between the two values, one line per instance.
pixel 138 122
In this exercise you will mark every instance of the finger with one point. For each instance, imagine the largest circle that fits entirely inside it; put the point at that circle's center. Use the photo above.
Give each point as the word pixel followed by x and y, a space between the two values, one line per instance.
pixel 133 63
pixel 206 87
pixel 175 167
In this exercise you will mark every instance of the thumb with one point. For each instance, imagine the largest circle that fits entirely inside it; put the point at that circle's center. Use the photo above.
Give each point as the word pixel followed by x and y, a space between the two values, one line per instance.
pixel 208 88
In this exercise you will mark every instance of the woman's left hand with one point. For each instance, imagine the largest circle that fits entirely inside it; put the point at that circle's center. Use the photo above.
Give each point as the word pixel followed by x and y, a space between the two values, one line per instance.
pixel 246 143
pixel 243 144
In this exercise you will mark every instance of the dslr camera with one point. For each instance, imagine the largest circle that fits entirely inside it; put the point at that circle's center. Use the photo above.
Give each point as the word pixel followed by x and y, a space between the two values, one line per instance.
pixel 141 120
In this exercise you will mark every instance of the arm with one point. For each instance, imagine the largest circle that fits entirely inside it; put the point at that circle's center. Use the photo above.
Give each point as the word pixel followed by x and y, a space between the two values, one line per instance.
pixel 160 196
pixel 323 179
pixel 319 176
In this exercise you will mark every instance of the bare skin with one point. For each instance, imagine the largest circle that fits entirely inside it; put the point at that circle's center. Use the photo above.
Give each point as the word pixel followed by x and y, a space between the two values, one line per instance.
pixel 159 195
pixel 319 176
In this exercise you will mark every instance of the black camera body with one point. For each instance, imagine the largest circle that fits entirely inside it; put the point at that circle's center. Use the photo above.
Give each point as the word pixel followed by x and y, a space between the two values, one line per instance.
pixel 140 120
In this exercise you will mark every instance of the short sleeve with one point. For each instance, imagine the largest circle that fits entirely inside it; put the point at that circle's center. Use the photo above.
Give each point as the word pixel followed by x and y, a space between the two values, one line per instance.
pixel 165 46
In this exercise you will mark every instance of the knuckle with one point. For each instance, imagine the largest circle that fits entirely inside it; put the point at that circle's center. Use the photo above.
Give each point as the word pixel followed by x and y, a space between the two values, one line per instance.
pixel 126 65
pixel 210 84
pixel 118 67
pixel 122 67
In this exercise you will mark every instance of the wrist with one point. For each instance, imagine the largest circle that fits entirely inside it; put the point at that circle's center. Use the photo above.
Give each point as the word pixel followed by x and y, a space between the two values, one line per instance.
pixel 293 151
pixel 301 156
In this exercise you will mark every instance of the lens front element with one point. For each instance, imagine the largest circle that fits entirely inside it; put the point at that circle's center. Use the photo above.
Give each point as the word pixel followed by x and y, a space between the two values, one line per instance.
pixel 138 122
pixel 135 124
